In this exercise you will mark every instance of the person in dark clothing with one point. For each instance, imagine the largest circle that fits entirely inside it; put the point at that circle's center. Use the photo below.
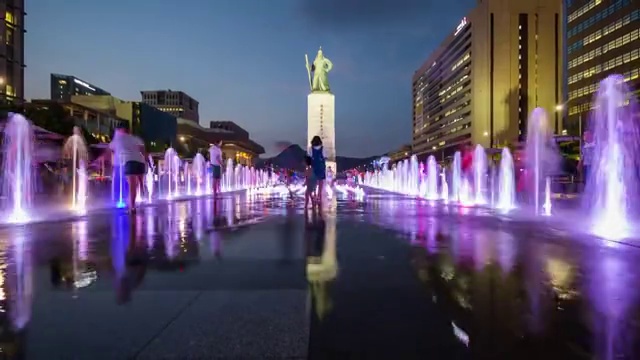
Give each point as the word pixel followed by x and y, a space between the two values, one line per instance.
pixel 318 164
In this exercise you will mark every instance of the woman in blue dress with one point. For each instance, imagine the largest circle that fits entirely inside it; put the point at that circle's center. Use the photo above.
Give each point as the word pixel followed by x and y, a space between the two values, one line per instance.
pixel 316 152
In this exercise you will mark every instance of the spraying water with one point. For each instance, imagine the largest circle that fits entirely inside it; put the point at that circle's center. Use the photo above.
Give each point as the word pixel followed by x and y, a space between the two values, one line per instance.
pixel 445 187
pixel 611 191
pixel 76 149
pixel 547 197
pixel 506 183
pixel 198 170
pixel 149 179
pixel 541 156
pixel 456 176
pixel 18 178
pixel 480 174
pixel 432 178
pixel 171 172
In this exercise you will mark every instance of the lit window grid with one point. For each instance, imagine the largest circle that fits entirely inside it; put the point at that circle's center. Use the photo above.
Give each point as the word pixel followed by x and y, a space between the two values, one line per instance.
pixel 611 64
pixel 594 36
pixel 611 45
pixel 601 15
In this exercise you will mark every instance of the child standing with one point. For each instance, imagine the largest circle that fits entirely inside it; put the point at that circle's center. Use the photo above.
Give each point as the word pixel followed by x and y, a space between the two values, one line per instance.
pixel 310 182
pixel 319 167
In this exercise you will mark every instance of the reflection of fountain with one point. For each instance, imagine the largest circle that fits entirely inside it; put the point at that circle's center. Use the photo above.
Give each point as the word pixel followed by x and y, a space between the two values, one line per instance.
pixel 613 291
pixel 20 282
pixel 76 147
pixel 610 194
pixel 18 165
pixel 506 186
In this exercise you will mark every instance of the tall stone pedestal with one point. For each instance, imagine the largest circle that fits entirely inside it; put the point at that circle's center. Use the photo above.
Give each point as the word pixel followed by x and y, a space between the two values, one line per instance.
pixel 321 122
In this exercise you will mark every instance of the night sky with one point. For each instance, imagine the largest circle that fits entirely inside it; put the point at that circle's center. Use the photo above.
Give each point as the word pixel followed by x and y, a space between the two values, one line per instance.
pixel 244 59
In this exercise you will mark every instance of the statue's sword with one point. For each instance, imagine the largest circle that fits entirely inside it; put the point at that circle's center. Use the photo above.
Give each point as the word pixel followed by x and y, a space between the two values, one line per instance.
pixel 306 59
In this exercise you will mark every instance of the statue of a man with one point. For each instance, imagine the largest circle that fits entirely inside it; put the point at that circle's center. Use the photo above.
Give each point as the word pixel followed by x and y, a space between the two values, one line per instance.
pixel 320 68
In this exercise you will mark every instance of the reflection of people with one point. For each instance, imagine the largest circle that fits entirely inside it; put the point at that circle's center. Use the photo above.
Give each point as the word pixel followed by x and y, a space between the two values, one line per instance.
pixel 130 265
pixel 310 183
pixel 321 261
pixel 215 158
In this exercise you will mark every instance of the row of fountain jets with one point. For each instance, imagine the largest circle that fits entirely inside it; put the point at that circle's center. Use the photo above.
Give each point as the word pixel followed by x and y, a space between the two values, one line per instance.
pixel 609 203
pixel 176 179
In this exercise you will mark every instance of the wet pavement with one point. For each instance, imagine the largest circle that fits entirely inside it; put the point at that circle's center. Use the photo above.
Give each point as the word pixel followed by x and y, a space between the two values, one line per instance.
pixel 387 278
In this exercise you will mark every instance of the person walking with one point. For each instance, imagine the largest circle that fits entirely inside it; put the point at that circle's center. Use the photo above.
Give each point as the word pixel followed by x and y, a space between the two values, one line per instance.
pixel 318 164
pixel 215 159
pixel 129 152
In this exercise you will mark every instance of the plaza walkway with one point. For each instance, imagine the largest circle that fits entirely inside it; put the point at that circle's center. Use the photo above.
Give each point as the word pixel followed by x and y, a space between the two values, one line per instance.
pixel 387 278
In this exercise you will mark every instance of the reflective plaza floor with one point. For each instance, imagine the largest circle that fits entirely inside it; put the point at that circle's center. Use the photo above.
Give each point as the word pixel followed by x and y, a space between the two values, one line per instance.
pixel 384 278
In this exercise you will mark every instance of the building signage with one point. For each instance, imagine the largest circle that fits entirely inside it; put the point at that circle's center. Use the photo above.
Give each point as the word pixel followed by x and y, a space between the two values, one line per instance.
pixel 461 26
pixel 80 82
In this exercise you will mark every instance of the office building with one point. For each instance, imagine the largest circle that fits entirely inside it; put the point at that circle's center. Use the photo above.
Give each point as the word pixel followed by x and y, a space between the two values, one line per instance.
pixel 63 87
pixel 157 128
pixel 478 87
pixel 12 52
pixel 101 124
pixel 176 103
pixel 236 143
pixel 603 38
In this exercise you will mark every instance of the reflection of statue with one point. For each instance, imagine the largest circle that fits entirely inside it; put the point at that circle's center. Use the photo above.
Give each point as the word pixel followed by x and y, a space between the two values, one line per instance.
pixel 320 68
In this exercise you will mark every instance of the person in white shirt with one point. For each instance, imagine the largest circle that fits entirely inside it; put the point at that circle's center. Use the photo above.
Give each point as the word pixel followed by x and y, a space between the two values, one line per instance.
pixel 215 158
pixel 129 153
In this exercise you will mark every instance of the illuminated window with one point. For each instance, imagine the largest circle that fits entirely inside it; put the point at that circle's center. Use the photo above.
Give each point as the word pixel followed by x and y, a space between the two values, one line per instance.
pixel 611 45
pixel 584 9
pixel 8 17
pixel 599 16
pixel 10 90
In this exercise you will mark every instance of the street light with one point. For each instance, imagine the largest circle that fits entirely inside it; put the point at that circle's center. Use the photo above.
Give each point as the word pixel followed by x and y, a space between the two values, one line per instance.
pixel 182 138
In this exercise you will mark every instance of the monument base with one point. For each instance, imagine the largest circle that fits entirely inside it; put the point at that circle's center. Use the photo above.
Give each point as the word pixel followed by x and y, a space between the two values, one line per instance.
pixel 321 122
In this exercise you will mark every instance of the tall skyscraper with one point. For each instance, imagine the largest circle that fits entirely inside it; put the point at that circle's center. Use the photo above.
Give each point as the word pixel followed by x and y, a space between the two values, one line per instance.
pixel 176 103
pixel 12 52
pixel 603 38
pixel 499 63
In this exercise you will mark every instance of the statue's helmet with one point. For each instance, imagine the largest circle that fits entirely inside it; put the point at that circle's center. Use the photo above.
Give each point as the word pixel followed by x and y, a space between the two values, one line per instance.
pixel 320 55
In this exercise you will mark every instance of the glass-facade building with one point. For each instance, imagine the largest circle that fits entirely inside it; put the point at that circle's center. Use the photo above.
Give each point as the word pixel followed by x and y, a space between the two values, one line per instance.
pixel 480 85
pixel 63 87
pixel 442 96
pixel 603 38
pixel 12 63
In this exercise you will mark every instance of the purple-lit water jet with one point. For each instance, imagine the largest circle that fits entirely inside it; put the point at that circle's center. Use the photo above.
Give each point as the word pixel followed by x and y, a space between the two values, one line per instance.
pixel 506 183
pixel 18 166
pixel 611 192
pixel 542 156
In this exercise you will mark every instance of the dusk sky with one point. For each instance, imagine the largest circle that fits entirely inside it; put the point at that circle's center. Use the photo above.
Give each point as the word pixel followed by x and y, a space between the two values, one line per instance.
pixel 243 60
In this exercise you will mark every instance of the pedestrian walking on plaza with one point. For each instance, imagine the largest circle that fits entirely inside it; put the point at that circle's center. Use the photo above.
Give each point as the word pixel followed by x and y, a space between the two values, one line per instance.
pixel 130 153
pixel 318 164
pixel 215 158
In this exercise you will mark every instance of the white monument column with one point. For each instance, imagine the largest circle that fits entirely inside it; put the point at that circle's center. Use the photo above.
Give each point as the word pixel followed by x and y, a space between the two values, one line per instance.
pixel 321 122
pixel 321 108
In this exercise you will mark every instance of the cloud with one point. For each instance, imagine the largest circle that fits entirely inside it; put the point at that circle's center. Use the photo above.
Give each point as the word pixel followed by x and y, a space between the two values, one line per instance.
pixel 354 14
